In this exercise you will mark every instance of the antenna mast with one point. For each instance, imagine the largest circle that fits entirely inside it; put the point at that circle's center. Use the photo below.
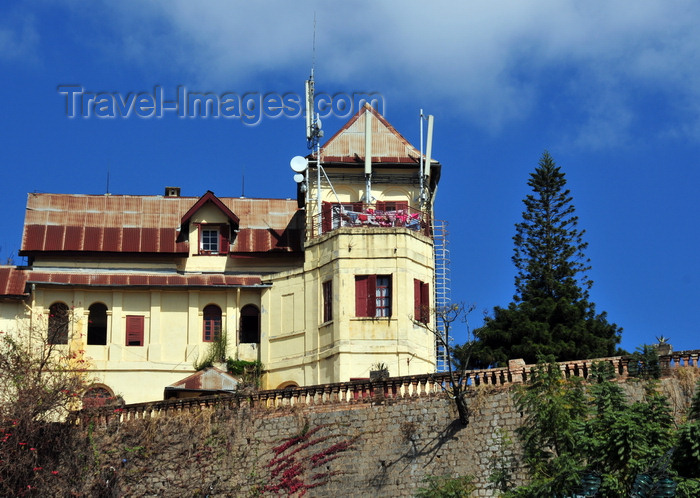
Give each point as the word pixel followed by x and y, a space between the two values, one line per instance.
pixel 313 126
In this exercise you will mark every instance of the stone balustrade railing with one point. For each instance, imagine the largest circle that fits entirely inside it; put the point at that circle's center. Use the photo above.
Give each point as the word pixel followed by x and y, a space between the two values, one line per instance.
pixel 393 389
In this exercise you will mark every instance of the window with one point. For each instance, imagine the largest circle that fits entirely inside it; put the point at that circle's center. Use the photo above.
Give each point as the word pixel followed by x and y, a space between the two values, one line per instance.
pixel 328 301
pixel 213 239
pixel 250 325
pixel 58 323
pixel 421 301
pixel 212 323
pixel 97 325
pixel 210 240
pixel 392 206
pixel 373 295
pixel 97 396
pixel 134 330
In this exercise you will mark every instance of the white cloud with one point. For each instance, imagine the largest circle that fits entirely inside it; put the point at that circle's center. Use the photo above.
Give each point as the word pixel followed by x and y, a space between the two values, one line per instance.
pixel 19 38
pixel 493 62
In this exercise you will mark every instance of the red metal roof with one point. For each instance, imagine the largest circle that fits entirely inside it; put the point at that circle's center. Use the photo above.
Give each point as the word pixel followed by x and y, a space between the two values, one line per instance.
pixel 12 282
pixel 150 224
pixel 139 279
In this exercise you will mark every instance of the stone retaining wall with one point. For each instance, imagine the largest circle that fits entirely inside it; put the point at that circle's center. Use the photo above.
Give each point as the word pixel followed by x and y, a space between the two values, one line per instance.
pixel 340 440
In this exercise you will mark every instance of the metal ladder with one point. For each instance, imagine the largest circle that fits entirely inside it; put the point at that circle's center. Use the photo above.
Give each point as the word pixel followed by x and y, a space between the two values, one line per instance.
pixel 442 286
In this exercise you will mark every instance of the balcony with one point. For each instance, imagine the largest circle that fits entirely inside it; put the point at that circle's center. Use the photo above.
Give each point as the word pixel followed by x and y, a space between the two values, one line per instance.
pixel 383 215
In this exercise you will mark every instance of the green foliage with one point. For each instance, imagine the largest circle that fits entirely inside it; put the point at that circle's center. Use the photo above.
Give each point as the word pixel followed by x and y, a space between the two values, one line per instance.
pixel 555 415
pixel 571 430
pixel 686 458
pixel 240 367
pixel 446 487
pixel 551 313
pixel 503 465
pixel 248 371
pixel 216 353
pixel 379 371
pixel 644 363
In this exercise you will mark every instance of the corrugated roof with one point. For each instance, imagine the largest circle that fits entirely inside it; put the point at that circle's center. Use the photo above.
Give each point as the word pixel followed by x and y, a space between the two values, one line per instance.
pixel 148 224
pixel 388 145
pixel 140 279
pixel 209 379
pixel 12 282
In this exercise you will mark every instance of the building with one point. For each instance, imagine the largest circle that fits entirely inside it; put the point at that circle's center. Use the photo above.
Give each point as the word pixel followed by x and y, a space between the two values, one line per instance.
pixel 319 289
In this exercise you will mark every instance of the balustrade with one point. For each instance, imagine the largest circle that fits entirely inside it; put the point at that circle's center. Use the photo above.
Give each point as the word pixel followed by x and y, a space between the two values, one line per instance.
pixel 363 391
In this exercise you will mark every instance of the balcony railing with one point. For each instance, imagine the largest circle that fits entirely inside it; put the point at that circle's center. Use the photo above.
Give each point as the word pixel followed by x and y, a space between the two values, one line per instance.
pixel 356 215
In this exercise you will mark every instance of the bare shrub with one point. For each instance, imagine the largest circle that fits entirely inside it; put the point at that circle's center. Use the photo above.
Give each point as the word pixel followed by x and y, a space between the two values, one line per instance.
pixel 41 381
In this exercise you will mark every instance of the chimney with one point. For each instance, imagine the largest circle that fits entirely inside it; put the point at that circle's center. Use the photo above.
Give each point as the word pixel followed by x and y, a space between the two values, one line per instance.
pixel 172 191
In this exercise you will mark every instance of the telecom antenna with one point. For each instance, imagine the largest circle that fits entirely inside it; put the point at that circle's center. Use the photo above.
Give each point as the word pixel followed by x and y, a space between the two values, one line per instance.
pixel 309 95
pixel 314 133
pixel 313 125
pixel 425 160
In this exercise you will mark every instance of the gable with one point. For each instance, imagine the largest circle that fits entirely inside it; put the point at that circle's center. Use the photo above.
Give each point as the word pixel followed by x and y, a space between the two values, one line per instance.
pixel 388 145
pixel 209 200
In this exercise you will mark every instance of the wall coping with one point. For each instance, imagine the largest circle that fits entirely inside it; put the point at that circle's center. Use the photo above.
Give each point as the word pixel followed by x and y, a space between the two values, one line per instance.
pixel 392 389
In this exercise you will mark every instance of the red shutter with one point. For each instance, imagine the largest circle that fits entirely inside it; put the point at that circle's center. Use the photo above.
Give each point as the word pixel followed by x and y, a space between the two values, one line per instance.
pixel 361 295
pixel 381 206
pixel 223 239
pixel 134 330
pixel 326 217
pixel 417 300
pixel 371 295
pixel 401 205
pixel 390 293
pixel 425 302
pixel 199 237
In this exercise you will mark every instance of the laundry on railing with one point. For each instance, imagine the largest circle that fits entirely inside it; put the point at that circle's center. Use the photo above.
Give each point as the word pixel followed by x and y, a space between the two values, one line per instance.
pixel 343 217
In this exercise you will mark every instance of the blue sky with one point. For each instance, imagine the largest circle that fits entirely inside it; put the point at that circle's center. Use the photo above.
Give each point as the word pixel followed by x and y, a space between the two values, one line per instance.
pixel 610 88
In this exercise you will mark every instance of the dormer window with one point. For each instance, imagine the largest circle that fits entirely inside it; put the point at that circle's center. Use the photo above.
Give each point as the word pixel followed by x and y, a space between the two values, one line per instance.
pixel 210 240
pixel 213 239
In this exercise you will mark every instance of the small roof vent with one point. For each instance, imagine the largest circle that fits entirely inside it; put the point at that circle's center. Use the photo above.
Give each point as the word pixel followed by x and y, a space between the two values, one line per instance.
pixel 172 191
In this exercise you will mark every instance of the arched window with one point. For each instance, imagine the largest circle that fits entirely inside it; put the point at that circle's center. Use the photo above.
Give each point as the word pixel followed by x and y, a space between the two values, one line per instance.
pixel 99 395
pixel 58 323
pixel 289 385
pixel 97 325
pixel 212 323
pixel 250 325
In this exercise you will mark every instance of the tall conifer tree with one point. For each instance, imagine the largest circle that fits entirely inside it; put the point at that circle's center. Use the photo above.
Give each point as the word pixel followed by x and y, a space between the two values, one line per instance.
pixel 551 313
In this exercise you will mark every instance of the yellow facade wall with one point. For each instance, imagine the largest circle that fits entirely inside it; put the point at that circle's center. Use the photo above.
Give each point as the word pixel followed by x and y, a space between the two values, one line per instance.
pixel 173 339
pixel 317 352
